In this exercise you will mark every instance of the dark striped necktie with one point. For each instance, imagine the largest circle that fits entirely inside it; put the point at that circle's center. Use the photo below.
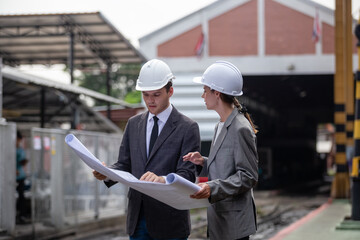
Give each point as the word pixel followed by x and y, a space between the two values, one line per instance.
pixel 154 133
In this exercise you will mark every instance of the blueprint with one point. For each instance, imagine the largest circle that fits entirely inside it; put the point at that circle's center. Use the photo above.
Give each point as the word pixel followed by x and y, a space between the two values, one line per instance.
pixel 175 193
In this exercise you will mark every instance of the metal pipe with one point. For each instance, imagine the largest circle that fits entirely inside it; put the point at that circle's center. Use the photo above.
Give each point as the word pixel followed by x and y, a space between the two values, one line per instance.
pixel 74 121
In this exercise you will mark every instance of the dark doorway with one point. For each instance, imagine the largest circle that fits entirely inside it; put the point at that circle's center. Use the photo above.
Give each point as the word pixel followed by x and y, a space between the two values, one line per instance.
pixel 288 111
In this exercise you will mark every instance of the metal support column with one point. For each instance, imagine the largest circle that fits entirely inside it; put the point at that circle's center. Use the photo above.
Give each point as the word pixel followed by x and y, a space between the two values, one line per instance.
pixel 108 89
pixel 42 107
pixel 355 212
pixel 74 121
pixel 75 115
pixel 71 57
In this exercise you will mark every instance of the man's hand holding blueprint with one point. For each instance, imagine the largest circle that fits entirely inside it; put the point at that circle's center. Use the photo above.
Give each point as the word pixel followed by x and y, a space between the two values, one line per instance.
pixel 176 192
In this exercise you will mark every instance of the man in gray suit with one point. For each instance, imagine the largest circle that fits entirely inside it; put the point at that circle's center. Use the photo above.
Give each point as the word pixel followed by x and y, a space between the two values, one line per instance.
pixel 153 146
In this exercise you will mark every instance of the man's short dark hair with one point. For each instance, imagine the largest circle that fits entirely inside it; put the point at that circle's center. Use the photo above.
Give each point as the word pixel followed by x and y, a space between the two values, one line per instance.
pixel 168 86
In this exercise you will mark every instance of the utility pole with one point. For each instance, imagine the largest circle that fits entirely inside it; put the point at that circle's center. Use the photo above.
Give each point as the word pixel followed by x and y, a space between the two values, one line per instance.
pixel 341 184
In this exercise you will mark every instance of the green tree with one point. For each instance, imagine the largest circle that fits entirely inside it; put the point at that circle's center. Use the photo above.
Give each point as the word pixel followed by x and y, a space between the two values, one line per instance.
pixel 122 81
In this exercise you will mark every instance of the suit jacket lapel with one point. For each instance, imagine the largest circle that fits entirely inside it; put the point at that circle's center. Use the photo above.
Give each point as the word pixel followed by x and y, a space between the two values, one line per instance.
pixel 214 149
pixel 168 128
pixel 213 139
pixel 142 135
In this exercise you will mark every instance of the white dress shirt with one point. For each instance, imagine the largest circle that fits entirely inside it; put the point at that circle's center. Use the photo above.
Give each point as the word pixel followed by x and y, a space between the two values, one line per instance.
pixel 163 117
pixel 218 130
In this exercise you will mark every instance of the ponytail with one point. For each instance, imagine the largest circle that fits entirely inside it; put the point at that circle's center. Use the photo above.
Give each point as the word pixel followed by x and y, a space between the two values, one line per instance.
pixel 244 111
pixel 241 108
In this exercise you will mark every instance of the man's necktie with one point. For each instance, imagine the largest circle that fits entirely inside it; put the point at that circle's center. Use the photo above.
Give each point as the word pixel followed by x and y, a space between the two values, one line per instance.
pixel 154 134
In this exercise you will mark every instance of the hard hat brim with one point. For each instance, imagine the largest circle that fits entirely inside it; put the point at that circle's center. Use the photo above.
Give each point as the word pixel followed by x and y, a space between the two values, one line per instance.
pixel 150 88
pixel 138 88
pixel 198 80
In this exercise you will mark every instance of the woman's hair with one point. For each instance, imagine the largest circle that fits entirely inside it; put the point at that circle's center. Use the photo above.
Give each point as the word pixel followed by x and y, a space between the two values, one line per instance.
pixel 233 100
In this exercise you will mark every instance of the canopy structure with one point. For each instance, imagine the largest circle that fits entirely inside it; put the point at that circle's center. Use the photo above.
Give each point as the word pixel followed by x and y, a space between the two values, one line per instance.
pixel 79 40
pixel 29 100
pixel 53 38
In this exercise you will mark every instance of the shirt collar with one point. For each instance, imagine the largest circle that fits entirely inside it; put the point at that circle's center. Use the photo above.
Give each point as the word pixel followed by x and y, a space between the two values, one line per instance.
pixel 164 115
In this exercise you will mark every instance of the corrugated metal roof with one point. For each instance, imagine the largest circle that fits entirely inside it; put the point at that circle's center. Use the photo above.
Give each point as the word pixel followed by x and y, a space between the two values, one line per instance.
pixel 16 75
pixel 44 39
pixel 22 95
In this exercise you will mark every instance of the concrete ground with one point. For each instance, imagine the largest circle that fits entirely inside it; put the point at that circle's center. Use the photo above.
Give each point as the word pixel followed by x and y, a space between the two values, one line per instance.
pixel 323 223
pixel 280 217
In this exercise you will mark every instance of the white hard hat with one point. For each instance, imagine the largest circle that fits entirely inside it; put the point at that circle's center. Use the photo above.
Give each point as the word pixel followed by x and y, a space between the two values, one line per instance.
pixel 224 77
pixel 153 75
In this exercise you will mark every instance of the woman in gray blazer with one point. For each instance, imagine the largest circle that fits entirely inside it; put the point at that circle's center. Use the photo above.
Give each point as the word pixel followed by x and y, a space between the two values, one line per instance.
pixel 232 166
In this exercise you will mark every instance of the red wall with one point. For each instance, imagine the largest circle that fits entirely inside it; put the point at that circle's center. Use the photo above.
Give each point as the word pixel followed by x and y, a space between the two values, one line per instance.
pixel 328 38
pixel 182 45
pixel 287 31
pixel 234 33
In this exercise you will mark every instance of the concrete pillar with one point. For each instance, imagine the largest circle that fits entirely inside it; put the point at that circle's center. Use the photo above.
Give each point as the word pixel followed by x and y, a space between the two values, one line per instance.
pixel 7 177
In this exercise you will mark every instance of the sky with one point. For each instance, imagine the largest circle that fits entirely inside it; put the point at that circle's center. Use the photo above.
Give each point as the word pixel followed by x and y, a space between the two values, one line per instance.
pixel 133 18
